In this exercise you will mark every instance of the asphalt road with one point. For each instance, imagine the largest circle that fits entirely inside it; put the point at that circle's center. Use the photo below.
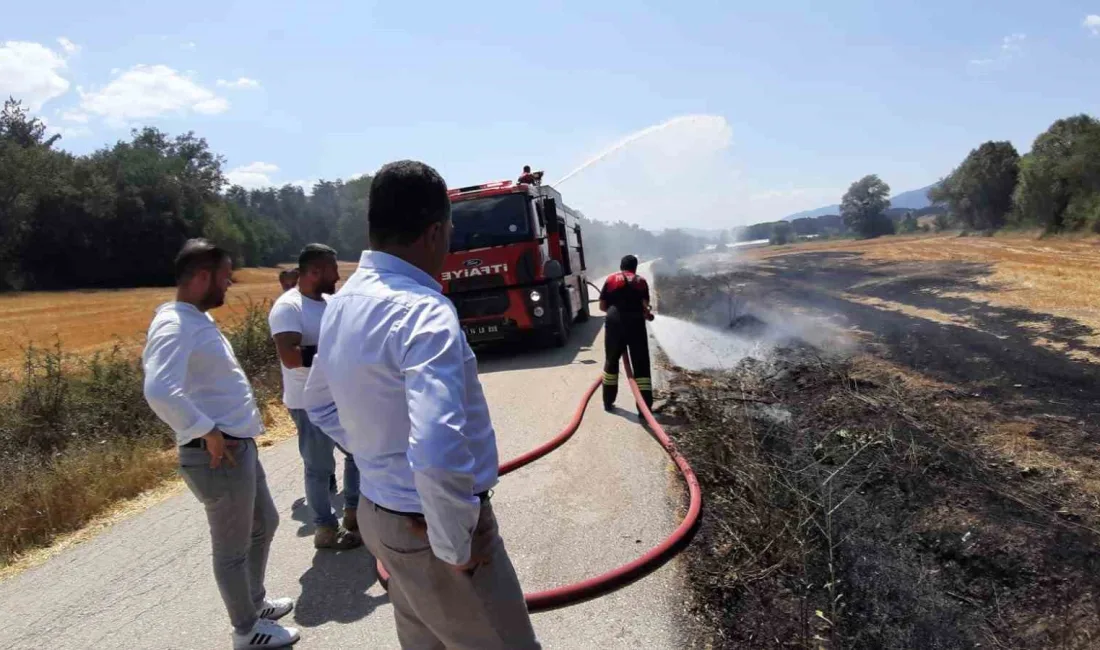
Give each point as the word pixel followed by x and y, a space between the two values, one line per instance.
pixel 599 501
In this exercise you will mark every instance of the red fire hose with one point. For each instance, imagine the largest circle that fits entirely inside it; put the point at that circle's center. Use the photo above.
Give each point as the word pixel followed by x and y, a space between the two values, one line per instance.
pixel 640 567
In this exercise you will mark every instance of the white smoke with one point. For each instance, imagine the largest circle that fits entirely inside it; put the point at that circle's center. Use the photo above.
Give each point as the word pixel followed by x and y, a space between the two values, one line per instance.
pixel 679 173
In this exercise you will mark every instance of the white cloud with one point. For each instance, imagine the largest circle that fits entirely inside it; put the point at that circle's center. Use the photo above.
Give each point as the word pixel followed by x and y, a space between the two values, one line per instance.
pixel 68 46
pixel 189 45
pixel 72 132
pixel 31 72
pixel 306 184
pixel 259 175
pixel 75 116
pixel 240 83
pixel 1010 49
pixel 252 176
pixel 1011 43
pixel 146 91
pixel 66 131
pixel 1092 23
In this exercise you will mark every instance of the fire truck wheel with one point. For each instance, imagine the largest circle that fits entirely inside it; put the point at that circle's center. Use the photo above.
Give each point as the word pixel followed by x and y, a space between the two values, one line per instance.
pixel 586 307
pixel 561 327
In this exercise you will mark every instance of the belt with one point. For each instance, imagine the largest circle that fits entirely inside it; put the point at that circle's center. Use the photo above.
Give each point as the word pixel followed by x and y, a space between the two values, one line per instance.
pixel 483 496
pixel 201 444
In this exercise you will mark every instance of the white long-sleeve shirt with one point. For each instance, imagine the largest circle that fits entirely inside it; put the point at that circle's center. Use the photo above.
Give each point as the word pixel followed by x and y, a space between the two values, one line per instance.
pixel 395 383
pixel 193 381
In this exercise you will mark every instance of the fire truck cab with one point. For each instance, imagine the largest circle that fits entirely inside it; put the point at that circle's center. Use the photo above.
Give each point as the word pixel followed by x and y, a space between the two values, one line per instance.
pixel 516 266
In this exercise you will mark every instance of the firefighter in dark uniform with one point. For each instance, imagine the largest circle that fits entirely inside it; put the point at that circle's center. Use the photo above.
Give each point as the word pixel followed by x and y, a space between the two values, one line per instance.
pixel 625 299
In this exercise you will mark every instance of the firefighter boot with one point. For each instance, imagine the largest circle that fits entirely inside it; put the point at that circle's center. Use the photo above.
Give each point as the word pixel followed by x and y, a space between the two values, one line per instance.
pixel 645 387
pixel 610 390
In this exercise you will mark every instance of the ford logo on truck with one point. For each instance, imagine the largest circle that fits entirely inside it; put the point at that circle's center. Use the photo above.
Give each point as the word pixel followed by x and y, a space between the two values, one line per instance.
pixel 472 262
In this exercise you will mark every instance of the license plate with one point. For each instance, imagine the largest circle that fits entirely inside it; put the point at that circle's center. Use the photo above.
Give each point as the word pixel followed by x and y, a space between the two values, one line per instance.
pixel 480 331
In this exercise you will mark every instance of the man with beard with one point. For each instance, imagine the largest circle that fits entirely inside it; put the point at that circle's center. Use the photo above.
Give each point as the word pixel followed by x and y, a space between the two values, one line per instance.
pixel 295 322
pixel 288 278
pixel 194 383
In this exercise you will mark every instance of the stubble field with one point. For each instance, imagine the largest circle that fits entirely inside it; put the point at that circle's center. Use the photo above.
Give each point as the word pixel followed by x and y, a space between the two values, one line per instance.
pixel 932 485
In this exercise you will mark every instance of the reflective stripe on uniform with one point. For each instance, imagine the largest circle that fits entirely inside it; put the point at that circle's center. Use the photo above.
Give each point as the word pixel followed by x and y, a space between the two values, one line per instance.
pixel 644 383
pixel 610 379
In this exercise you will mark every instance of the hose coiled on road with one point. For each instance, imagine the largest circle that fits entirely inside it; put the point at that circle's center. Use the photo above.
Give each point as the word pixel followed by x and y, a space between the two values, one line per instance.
pixel 642 566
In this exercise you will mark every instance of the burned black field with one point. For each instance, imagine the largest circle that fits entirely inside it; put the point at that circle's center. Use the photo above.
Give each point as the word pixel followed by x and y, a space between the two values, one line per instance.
pixel 933 485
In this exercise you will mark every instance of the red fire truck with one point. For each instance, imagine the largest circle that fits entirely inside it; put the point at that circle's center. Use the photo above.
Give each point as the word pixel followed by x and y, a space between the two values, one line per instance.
pixel 516 265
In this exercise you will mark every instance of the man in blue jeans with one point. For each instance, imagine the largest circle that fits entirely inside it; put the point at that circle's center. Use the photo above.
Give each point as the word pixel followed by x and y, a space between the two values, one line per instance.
pixel 295 322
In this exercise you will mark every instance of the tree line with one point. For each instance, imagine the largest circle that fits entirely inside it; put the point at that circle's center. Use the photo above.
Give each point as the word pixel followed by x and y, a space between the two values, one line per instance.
pixel 605 243
pixel 117 216
pixel 1055 186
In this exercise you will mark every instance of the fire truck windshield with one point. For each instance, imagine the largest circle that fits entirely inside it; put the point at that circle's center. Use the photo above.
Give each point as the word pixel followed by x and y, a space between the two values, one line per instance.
pixel 490 221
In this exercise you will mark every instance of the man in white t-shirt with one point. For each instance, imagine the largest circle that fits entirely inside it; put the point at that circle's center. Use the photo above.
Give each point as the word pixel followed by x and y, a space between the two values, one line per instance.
pixel 295 322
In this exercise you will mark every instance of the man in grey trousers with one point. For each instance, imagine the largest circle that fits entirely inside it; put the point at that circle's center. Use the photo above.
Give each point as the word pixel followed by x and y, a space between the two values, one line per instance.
pixel 395 383
pixel 194 383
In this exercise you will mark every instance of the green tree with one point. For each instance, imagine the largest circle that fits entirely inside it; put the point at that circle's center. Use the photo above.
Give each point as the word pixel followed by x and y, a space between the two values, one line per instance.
pixel 979 191
pixel 909 223
pixel 29 171
pixel 782 234
pixel 1060 177
pixel 352 224
pixel 864 206
pixel 116 217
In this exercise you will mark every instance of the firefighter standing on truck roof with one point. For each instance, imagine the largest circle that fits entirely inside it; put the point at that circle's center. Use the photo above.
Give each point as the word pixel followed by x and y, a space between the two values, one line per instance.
pixel 625 299
pixel 528 177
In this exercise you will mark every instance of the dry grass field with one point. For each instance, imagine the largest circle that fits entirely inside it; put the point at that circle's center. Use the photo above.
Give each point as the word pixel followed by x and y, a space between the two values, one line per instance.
pixel 86 321
pixel 77 442
pixel 1057 276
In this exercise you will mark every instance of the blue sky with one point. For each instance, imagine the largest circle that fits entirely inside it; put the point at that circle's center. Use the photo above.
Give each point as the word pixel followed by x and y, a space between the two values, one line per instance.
pixel 791 101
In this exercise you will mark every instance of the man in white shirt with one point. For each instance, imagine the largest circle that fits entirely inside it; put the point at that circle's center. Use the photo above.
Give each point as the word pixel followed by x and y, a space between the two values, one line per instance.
pixel 395 383
pixel 288 278
pixel 295 322
pixel 194 383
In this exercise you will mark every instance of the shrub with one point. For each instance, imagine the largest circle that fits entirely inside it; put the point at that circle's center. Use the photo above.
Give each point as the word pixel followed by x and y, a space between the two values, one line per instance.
pixel 76 434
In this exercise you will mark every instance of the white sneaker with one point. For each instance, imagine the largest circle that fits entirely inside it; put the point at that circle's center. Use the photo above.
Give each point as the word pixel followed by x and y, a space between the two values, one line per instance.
pixel 275 608
pixel 266 634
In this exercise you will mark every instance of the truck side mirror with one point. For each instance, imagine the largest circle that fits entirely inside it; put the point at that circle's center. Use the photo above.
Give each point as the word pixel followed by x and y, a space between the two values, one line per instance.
pixel 553 270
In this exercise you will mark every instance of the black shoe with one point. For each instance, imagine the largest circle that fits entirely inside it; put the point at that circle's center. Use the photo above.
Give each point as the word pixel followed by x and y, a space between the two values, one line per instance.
pixel 609 407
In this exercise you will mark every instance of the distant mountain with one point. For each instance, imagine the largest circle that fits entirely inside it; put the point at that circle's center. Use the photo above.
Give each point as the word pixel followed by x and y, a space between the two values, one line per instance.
pixel 816 212
pixel 911 200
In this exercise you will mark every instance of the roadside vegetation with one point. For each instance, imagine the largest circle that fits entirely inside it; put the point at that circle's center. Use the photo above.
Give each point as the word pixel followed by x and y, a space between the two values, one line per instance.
pixel 851 504
pixel 76 434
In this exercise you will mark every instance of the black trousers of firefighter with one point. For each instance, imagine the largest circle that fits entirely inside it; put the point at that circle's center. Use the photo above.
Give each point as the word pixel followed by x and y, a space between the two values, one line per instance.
pixel 619 337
